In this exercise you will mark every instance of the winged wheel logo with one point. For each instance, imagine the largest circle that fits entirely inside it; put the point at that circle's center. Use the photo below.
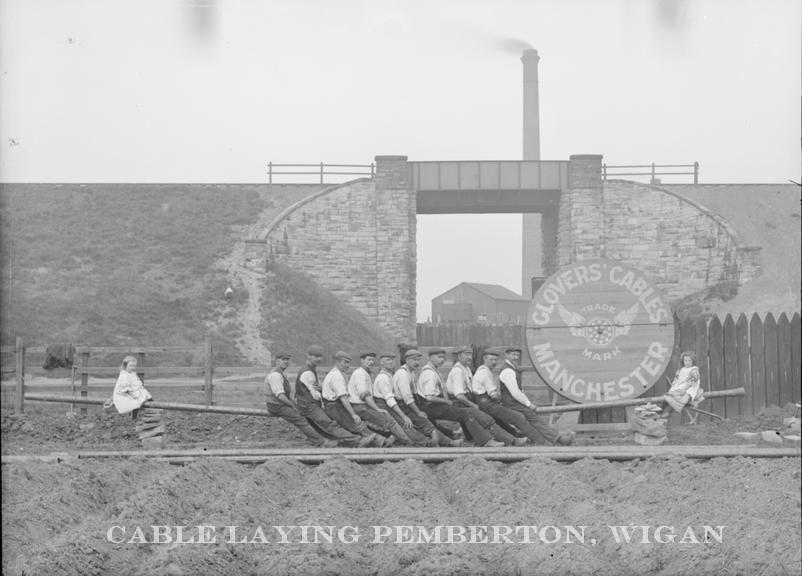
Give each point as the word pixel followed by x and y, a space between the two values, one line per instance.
pixel 599 331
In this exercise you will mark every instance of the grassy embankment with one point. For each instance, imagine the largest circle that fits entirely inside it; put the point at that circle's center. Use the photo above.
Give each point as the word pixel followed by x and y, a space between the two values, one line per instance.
pixel 117 264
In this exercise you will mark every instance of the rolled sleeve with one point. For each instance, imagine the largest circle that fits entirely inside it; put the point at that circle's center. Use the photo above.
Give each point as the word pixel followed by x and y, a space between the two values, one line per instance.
pixel 276 383
pixel 383 388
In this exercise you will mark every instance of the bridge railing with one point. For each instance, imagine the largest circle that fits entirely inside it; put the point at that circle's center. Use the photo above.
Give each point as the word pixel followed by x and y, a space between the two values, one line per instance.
pixel 652 170
pixel 320 170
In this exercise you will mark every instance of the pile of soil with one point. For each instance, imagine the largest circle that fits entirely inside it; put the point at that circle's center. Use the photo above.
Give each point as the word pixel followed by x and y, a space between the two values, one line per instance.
pixel 56 517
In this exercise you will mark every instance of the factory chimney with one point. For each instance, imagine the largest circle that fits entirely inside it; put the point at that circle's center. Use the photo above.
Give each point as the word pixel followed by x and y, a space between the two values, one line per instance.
pixel 532 249
pixel 531 142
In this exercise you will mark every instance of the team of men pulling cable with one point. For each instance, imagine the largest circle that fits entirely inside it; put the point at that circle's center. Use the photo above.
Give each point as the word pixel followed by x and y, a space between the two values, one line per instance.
pixel 411 405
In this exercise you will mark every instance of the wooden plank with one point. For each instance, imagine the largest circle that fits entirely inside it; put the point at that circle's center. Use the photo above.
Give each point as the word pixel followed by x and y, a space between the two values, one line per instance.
pixel 84 378
pixel 731 407
pixel 771 357
pixel 102 350
pixel 208 370
pixel 716 342
pixel 784 352
pixel 158 431
pixel 605 416
pixel 757 363
pixel 19 376
pixel 796 358
pixel 703 354
pixel 744 376
pixel 140 365
pixel 107 371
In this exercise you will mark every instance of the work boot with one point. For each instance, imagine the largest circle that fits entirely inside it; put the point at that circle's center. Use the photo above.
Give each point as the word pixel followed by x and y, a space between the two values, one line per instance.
pixel 329 444
pixel 387 442
pixel 523 441
pixel 441 439
pixel 492 444
pixel 565 437
pixel 369 440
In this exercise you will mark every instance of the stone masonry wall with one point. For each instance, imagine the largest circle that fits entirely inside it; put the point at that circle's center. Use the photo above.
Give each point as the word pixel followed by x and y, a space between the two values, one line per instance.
pixel 357 241
pixel 682 246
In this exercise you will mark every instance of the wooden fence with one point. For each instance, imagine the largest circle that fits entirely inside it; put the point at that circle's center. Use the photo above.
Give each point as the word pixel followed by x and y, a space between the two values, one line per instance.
pixel 760 354
pixel 195 382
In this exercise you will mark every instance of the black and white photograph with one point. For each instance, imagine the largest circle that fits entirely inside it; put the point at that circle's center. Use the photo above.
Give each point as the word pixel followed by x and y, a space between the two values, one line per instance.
pixel 389 287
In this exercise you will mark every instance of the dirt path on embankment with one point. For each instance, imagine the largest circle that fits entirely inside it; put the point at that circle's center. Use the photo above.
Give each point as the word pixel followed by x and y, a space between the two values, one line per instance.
pixel 246 305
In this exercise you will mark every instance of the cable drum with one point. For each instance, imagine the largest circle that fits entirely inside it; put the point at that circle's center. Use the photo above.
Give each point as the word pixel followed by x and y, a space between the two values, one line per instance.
pixel 599 330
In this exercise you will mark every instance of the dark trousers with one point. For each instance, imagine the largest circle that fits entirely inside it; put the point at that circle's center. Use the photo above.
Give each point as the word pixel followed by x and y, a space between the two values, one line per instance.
pixel 509 416
pixel 479 433
pixel 382 423
pixel 295 418
pixel 540 427
pixel 339 414
pixel 416 436
pixel 421 423
pixel 320 421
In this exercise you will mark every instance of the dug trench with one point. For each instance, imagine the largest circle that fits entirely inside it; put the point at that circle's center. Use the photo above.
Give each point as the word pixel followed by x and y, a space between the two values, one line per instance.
pixel 81 516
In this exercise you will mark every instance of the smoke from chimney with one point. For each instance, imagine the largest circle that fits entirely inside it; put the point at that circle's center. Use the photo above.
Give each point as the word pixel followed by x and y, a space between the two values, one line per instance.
pixel 512 45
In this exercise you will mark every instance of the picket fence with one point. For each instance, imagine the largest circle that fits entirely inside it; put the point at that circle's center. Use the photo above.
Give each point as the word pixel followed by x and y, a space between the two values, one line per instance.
pixel 760 354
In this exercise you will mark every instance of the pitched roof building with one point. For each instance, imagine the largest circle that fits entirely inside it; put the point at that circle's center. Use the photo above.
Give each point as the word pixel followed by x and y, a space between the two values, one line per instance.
pixel 475 302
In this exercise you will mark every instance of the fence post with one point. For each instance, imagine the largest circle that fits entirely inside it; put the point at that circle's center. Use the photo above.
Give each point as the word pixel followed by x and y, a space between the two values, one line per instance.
pixel 84 379
pixel 321 172
pixel 696 172
pixel 604 171
pixel 269 172
pixel 652 171
pixel 19 357
pixel 208 368
pixel 372 169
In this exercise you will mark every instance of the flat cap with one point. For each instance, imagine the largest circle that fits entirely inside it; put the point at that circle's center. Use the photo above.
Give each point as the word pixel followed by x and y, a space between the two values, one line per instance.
pixel 315 350
pixel 510 349
pixel 461 349
pixel 367 354
pixel 412 353
pixel 283 355
pixel 340 355
pixel 387 355
pixel 436 351
pixel 492 351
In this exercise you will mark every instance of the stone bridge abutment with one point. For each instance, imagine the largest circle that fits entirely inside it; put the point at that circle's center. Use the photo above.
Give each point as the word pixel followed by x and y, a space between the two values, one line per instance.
pixel 358 240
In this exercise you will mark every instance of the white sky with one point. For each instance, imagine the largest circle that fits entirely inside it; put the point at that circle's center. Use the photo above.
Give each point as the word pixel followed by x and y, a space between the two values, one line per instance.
pixel 190 91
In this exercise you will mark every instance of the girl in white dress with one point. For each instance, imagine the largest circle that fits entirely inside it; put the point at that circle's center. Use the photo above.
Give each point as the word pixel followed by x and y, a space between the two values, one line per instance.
pixel 686 386
pixel 129 391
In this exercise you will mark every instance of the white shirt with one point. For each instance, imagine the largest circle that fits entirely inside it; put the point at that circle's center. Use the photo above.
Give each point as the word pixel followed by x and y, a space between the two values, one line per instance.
pixel 402 385
pixel 275 383
pixel 309 380
pixel 383 388
pixel 459 379
pixel 359 383
pixel 334 385
pixel 483 382
pixel 507 376
pixel 429 382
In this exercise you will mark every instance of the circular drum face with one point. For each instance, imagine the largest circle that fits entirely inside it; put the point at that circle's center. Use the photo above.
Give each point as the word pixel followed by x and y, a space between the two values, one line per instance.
pixel 598 331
